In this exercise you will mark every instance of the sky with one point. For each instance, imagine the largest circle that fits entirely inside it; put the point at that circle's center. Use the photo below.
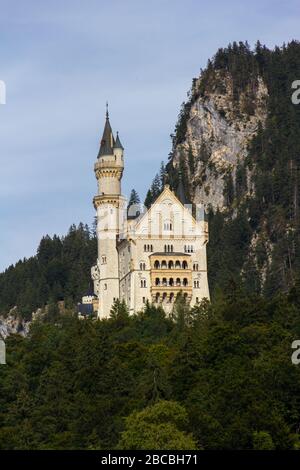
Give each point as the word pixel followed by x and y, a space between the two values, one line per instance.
pixel 61 60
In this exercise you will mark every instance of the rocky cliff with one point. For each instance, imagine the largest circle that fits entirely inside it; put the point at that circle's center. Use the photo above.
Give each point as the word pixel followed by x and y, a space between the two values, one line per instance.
pixel 12 324
pixel 218 132
pixel 236 149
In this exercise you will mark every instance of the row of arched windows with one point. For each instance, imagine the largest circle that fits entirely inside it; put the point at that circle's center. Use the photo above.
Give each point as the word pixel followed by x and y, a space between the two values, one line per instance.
pixel 170 265
pixel 165 295
pixel 143 283
pixel 196 284
pixel 188 248
pixel 168 248
pixel 148 247
pixel 171 282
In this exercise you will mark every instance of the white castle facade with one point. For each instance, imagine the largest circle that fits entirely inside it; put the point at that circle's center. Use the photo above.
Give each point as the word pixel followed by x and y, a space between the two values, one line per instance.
pixel 149 256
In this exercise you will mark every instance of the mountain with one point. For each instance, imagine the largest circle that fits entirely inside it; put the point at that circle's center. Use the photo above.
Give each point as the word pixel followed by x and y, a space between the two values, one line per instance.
pixel 236 149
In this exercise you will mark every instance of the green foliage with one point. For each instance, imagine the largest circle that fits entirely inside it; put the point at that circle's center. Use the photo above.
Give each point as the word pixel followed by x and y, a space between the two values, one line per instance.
pixel 262 441
pixel 158 427
pixel 59 271
pixel 218 376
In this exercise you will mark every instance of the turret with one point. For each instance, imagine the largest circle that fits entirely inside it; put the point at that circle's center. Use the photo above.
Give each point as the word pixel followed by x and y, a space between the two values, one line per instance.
pixel 110 164
pixel 111 207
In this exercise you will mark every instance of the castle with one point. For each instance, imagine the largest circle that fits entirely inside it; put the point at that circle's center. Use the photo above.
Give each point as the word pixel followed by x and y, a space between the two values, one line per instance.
pixel 144 256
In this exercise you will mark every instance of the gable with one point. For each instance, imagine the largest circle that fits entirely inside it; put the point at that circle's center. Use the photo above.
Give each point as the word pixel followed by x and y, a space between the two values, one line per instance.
pixel 166 216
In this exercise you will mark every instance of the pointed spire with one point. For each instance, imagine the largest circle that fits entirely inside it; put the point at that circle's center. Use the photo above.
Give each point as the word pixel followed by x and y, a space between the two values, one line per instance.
pixel 118 144
pixel 107 141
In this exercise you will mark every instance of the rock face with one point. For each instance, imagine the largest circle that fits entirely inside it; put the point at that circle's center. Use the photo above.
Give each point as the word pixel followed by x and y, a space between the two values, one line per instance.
pixel 13 325
pixel 218 131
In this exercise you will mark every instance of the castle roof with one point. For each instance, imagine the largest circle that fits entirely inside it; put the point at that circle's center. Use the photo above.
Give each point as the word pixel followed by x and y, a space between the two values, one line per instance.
pixel 107 142
pixel 118 144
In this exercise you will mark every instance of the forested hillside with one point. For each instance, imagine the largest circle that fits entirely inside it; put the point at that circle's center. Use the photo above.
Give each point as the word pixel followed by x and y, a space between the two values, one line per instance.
pixel 236 149
pixel 60 270
pixel 217 377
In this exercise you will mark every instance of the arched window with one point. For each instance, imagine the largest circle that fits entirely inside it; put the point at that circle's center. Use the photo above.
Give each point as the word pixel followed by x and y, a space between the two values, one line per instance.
pixel 184 264
pixel 164 264
pixel 164 281
pixel 171 281
pixel 103 259
pixel 185 281
pixel 171 296
pixel 157 297
pixel 177 264
pixel 168 227
pixel 171 264
pixel 156 264
pixel 157 281
pixel 164 296
pixel 178 283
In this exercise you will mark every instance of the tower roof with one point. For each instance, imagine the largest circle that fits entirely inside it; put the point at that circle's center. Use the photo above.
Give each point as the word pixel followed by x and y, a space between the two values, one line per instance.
pixel 107 142
pixel 118 144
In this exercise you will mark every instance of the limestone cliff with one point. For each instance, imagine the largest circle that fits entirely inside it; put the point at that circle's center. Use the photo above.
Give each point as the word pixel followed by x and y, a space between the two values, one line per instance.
pixel 12 324
pixel 236 149
pixel 218 131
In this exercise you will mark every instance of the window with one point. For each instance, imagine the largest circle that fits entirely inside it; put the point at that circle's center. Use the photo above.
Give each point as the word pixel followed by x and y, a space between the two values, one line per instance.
pixel 143 283
pixel 195 267
pixel 196 284
pixel 142 266
pixel 103 259
pixel 144 300
pixel 168 226
pixel 156 264
pixel 105 286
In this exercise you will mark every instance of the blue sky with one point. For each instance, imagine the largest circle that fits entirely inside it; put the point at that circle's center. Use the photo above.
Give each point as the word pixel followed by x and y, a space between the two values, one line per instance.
pixel 61 61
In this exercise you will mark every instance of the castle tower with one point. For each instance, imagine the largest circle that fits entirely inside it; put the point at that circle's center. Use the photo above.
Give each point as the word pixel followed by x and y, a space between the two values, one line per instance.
pixel 111 207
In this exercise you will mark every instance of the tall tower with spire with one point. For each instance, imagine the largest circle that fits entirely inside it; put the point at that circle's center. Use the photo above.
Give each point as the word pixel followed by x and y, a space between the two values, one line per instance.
pixel 111 207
